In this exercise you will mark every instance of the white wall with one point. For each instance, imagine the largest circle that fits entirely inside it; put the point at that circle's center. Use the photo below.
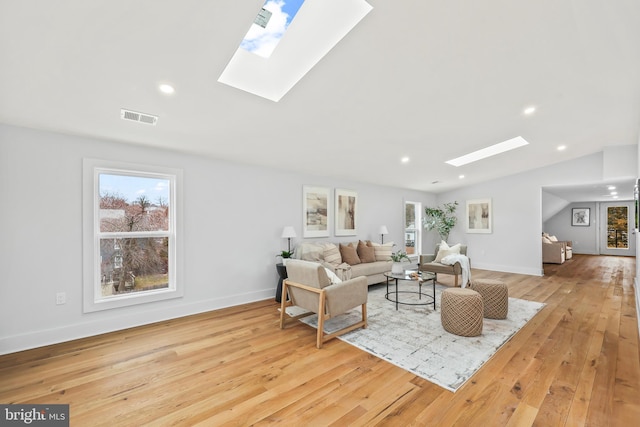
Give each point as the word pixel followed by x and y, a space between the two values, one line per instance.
pixel 585 240
pixel 551 205
pixel 514 245
pixel 234 215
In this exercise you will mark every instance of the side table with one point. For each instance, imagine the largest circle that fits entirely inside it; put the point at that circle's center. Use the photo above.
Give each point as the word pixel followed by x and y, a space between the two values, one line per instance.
pixel 282 272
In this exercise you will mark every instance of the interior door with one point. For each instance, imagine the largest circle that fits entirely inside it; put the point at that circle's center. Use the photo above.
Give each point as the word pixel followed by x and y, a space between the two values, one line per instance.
pixel 617 228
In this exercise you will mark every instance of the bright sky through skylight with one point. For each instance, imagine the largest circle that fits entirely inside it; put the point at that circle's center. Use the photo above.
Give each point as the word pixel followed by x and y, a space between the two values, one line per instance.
pixel 263 41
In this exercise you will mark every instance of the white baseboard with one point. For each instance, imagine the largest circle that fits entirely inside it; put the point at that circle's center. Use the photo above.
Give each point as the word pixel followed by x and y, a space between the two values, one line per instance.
pixel 85 329
pixel 509 269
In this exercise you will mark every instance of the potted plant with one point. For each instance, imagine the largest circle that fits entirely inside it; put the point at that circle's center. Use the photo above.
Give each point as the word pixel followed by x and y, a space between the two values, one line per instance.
pixel 397 257
pixel 442 219
pixel 285 255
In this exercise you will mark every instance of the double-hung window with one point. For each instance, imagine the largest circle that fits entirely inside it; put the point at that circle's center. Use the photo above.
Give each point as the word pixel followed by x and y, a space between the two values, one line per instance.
pixel 412 228
pixel 131 234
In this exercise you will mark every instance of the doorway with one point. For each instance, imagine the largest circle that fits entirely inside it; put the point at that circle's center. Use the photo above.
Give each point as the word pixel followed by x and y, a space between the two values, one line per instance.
pixel 617 234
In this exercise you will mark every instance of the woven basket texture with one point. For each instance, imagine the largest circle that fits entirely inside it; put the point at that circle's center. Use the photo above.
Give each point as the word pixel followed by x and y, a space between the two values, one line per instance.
pixel 495 296
pixel 461 312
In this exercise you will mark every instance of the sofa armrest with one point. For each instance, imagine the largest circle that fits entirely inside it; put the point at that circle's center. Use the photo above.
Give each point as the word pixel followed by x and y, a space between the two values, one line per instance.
pixel 346 295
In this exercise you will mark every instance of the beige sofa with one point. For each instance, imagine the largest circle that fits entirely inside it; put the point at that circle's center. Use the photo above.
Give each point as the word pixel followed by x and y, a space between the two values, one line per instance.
pixel 350 259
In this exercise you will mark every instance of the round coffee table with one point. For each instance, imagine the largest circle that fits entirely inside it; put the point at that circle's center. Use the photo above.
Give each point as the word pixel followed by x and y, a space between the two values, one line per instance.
pixel 424 276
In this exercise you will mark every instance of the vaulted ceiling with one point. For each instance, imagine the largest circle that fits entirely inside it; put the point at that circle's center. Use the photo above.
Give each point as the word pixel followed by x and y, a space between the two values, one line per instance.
pixel 428 80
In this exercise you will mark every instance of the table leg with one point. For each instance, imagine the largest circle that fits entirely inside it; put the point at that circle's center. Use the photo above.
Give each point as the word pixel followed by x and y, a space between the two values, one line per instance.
pixel 433 282
pixel 397 294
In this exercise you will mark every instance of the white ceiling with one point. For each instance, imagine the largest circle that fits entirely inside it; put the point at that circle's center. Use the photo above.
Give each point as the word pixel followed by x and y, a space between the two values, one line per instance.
pixel 594 192
pixel 427 79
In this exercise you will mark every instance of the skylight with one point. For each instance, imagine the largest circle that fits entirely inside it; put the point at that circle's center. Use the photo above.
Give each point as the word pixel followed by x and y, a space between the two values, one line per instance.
pixel 318 27
pixel 269 26
pixel 492 150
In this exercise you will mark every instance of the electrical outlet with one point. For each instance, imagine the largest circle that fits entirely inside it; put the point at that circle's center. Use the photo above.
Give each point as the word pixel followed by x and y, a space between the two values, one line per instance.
pixel 61 298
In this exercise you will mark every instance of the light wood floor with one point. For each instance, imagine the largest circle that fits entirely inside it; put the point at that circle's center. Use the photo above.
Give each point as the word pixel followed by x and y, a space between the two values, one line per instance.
pixel 576 363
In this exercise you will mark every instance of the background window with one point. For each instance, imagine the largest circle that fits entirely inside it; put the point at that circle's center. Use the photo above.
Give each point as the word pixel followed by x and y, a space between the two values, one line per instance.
pixel 413 228
pixel 131 223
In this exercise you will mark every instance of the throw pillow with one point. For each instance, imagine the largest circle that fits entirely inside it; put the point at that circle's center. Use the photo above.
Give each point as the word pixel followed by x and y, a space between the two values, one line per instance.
pixel 545 240
pixel 332 276
pixel 443 245
pixel 310 252
pixel 443 252
pixel 332 254
pixel 349 254
pixel 382 251
pixel 366 253
pixel 553 238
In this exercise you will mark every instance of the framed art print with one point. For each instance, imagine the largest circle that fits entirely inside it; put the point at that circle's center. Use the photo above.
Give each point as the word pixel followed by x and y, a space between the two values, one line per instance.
pixel 479 216
pixel 580 217
pixel 315 211
pixel 346 206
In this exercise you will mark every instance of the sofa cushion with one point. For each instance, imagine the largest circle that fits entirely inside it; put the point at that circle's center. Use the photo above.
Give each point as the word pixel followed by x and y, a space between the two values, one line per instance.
pixel 332 254
pixel 370 268
pixel 310 252
pixel 382 251
pixel 366 253
pixel 349 254
pixel 445 250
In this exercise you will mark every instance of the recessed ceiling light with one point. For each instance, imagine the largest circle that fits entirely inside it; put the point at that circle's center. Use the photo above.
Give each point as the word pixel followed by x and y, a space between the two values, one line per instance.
pixel 611 187
pixel 488 151
pixel 405 160
pixel 613 193
pixel 460 176
pixel 615 197
pixel 562 147
pixel 166 89
pixel 530 110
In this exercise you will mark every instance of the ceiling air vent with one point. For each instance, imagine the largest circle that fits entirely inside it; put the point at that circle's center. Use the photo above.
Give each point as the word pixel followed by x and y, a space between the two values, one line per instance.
pixel 138 117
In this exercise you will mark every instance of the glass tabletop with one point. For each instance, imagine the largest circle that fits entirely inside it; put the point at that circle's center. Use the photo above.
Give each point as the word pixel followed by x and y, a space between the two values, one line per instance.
pixel 411 275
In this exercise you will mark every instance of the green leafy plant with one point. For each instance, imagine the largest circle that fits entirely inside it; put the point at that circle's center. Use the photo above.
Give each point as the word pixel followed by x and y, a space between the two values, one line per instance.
pixel 285 254
pixel 442 219
pixel 399 256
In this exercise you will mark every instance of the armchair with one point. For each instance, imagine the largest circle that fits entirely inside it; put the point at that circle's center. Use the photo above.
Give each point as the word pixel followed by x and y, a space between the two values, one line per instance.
pixel 553 252
pixel 309 287
pixel 568 245
pixel 430 262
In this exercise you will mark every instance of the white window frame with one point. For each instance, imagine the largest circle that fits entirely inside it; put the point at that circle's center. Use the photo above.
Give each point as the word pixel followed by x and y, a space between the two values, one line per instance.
pixel 92 290
pixel 417 229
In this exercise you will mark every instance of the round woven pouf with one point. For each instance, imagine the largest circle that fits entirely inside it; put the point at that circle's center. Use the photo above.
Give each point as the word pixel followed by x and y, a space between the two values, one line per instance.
pixel 461 312
pixel 495 296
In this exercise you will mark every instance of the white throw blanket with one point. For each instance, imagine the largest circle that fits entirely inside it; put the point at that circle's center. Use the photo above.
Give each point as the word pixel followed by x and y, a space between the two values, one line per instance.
pixel 464 263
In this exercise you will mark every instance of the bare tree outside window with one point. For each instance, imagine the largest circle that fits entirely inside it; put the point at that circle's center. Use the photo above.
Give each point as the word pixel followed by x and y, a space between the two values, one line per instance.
pixel 134 236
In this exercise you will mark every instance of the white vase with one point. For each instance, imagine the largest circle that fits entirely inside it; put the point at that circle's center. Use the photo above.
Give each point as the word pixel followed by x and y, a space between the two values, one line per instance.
pixel 397 268
pixel 284 261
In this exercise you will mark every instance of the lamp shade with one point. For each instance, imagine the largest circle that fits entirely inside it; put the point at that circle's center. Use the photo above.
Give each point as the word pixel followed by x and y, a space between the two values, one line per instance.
pixel 288 232
pixel 383 230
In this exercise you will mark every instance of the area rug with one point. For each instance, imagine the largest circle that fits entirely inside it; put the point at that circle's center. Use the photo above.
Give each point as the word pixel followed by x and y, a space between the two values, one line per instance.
pixel 413 338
